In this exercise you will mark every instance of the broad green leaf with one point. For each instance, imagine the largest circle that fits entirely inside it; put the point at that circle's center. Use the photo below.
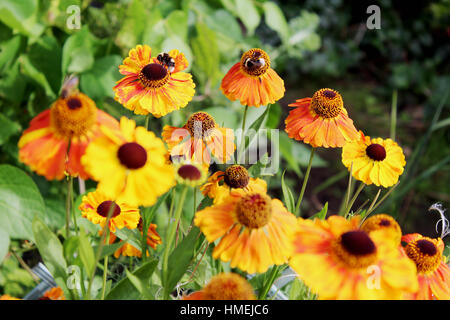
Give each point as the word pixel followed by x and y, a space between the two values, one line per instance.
pixel 248 14
pixel 20 202
pixel 86 252
pixel 253 129
pixel 275 19
pixel 287 194
pixel 97 83
pixel 12 85
pixel 139 285
pixel 55 216
pixel 125 290
pixel 206 52
pixel 50 249
pixel 109 249
pixel 4 244
pixel 78 52
pixel 180 259
pixel 133 237
pixel 274 116
pixel 7 128
pixel 38 76
pixel 177 24
pixel 45 56
pixel 221 18
pixel 133 25
pixel 21 15
pixel 9 51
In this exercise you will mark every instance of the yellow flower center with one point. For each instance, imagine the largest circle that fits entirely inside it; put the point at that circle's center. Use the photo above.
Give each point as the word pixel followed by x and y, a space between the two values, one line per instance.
pixel 355 249
pixel 132 155
pixel 327 103
pixel 154 75
pixel 383 222
pixel 73 116
pixel 236 176
pixel 254 210
pixel 228 286
pixel 200 122
pixel 104 208
pixel 255 62
pixel 425 254
pixel 376 152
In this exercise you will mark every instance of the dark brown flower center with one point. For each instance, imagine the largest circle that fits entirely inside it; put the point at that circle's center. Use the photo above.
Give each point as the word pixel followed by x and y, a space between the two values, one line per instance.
pixel 376 152
pixel 327 103
pixel 357 243
pixel 385 223
pixel 154 75
pixel 132 155
pixel 329 94
pixel 73 103
pixel 199 123
pixel 189 172
pixel 426 247
pixel 236 176
pixel 105 206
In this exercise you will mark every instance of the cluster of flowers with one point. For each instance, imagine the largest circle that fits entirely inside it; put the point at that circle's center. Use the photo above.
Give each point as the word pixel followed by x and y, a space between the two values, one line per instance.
pixel 250 229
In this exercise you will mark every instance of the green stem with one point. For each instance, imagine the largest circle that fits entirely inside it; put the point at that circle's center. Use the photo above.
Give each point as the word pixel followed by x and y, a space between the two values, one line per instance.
pixel 305 181
pixel 268 285
pixel 147 121
pixel 350 205
pixel 382 199
pixel 349 188
pixel 393 114
pixel 105 269
pixel 68 204
pixel 242 143
pixel 171 235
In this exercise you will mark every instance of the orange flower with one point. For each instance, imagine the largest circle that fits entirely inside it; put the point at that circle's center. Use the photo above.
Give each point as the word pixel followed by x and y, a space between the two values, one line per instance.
pixel 154 85
pixel 198 139
pixel 128 250
pixel 234 178
pixel 57 138
pixel 224 286
pixel 321 121
pixel 253 81
pixel 54 293
pixel 432 272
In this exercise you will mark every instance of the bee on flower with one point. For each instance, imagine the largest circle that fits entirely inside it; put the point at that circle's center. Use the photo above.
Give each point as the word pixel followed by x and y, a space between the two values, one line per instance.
pixel 155 85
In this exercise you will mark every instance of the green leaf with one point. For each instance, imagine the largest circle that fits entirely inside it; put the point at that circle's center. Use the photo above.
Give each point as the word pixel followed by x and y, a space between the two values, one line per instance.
pixel 125 290
pixel 20 202
pixel 287 194
pixel 133 237
pixel 177 24
pixel 7 128
pixel 97 83
pixel 252 131
pixel 206 52
pixel 322 213
pixel 139 285
pixel 9 51
pixel 12 85
pixel 133 25
pixel 78 52
pixel 50 249
pixel 38 76
pixel 221 18
pixel 4 244
pixel 86 252
pixel 180 259
pixel 248 14
pixel 45 56
pixel 275 19
pixel 21 16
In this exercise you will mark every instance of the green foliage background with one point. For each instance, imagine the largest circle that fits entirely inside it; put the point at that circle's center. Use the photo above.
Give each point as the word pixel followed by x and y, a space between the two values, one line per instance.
pixel 313 44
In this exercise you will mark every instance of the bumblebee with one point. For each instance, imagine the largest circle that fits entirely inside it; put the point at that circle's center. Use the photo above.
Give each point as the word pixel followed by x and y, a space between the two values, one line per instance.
pixel 167 61
pixel 255 61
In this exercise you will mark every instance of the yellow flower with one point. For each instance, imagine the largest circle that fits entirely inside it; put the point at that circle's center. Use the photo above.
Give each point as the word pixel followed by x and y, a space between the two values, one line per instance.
pixel 190 174
pixel 253 231
pixel 235 178
pixel 224 286
pixel 154 85
pixel 375 161
pixel 95 207
pixel 337 260
pixel 386 224
pixel 130 164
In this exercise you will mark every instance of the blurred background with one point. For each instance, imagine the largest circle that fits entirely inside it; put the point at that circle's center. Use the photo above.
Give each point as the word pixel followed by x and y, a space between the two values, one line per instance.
pixel 312 44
